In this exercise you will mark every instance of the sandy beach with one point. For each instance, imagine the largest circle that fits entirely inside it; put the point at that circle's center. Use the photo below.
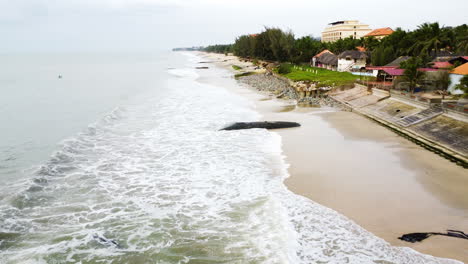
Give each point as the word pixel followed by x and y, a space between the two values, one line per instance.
pixel 383 182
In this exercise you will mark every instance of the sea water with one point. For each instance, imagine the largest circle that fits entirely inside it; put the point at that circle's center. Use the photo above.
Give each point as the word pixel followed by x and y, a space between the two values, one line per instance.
pixel 121 161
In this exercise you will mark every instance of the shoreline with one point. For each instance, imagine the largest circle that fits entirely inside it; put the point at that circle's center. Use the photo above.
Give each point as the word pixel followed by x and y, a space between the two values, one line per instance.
pixel 384 183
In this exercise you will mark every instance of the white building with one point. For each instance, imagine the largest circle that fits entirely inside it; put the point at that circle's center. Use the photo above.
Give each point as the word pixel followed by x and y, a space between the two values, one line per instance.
pixel 455 76
pixel 352 60
pixel 344 29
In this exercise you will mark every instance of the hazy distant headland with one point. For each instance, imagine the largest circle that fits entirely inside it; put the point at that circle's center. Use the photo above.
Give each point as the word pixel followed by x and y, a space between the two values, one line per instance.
pixel 188 49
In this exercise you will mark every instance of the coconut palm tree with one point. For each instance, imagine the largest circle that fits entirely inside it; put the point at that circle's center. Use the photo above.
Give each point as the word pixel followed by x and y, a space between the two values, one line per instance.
pixel 411 73
pixel 429 37
pixel 462 45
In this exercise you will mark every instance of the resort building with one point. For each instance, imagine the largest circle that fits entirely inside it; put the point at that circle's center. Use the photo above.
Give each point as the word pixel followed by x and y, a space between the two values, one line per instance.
pixel 344 29
pixel 352 60
pixel 380 33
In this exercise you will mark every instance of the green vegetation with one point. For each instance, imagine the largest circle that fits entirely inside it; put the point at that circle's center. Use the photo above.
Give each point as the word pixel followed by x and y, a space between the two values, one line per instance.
pixel 321 76
pixel 411 73
pixel 223 49
pixel 285 68
pixel 235 67
pixel 243 74
pixel 463 85
pixel 274 44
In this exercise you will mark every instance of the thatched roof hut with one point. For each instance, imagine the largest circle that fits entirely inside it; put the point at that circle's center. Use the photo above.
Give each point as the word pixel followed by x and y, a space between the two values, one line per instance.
pixel 397 61
pixel 353 54
pixel 328 59
pixel 322 52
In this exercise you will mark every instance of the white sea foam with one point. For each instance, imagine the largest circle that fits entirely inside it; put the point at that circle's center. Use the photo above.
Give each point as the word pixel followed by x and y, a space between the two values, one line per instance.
pixel 187 73
pixel 167 186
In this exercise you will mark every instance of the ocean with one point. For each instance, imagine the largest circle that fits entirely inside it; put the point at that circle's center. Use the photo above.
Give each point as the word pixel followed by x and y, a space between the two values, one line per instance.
pixel 118 158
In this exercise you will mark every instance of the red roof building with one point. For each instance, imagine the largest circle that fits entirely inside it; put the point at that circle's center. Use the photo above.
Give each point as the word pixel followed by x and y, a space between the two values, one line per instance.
pixel 441 65
pixel 380 33
pixel 394 72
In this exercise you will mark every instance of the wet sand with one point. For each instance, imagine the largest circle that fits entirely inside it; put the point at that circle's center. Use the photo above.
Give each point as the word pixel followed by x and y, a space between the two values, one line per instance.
pixel 383 182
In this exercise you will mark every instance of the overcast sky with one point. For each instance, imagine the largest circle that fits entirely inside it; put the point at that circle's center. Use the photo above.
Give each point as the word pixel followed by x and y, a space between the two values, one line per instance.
pixel 145 25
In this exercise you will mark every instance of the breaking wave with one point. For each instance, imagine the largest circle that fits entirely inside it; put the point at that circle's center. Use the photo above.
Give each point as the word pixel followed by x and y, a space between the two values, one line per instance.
pixel 157 182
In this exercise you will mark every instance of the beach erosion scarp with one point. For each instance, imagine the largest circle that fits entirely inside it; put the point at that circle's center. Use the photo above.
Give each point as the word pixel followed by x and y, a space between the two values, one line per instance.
pixel 342 160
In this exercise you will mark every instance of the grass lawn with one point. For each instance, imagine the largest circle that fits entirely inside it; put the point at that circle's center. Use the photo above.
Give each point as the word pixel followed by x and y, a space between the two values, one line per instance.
pixel 323 77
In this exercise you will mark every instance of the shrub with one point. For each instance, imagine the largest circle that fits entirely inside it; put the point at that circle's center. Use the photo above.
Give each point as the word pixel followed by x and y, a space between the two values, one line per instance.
pixel 243 74
pixel 463 85
pixel 284 68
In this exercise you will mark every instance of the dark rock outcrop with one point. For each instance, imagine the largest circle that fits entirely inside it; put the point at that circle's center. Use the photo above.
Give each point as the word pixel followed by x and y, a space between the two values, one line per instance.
pixel 265 124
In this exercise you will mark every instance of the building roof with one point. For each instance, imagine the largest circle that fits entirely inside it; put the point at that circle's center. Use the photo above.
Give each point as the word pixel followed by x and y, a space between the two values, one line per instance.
pixel 441 65
pixel 353 54
pixel 400 72
pixel 462 59
pixel 328 59
pixel 361 48
pixel 380 32
pixel 462 70
pixel 322 52
pixel 394 72
pixel 379 68
pixel 396 63
pixel 427 70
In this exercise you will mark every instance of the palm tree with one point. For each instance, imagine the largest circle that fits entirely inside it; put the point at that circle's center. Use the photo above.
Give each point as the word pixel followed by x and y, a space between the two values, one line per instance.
pixel 463 85
pixel 411 73
pixel 462 45
pixel 429 37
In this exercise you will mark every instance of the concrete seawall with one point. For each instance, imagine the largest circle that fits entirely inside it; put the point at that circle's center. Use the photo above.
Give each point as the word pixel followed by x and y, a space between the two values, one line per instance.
pixel 440 134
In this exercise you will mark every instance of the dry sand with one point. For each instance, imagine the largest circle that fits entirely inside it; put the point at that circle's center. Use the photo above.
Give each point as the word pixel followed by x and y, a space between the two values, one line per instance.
pixel 383 182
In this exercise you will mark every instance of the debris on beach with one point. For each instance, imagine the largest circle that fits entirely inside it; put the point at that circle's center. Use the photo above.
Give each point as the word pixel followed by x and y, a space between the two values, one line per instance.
pixel 265 124
pixel 418 237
